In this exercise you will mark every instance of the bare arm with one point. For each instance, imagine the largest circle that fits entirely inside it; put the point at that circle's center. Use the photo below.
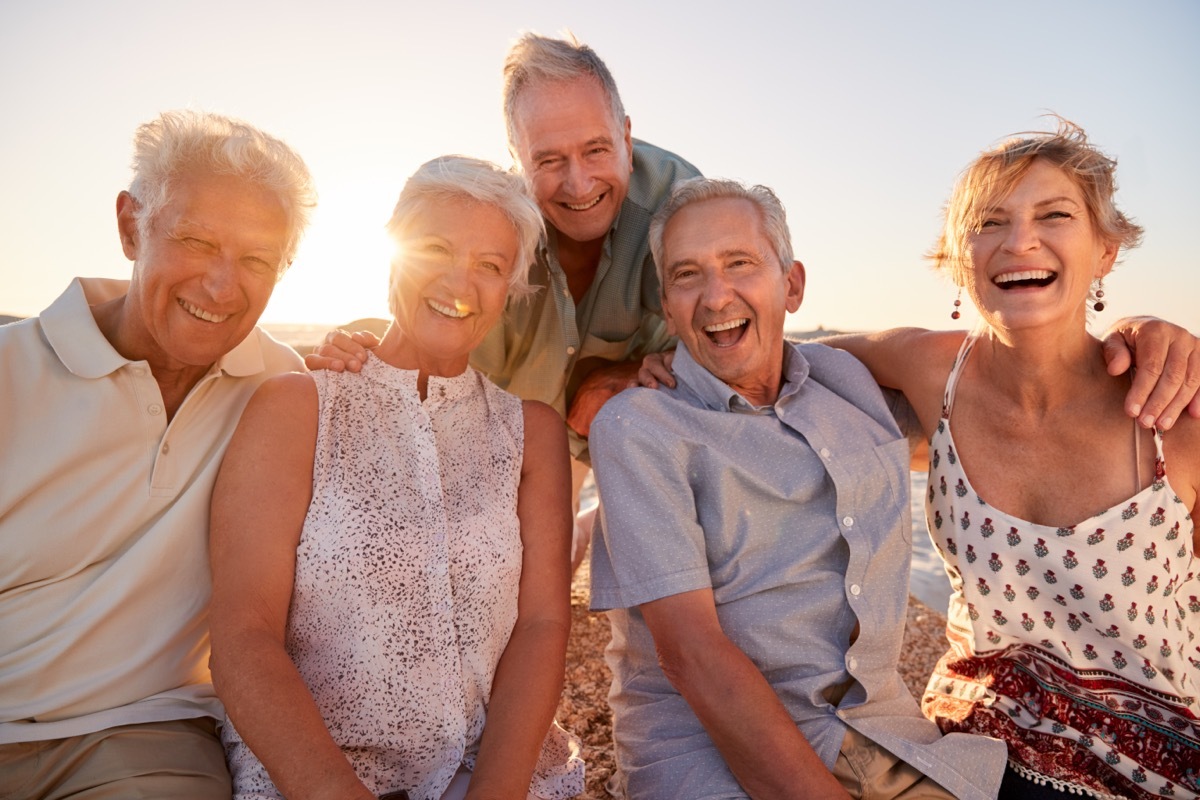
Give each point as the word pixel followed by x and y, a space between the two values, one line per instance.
pixel 259 502
pixel 913 360
pixel 529 678
pixel 754 733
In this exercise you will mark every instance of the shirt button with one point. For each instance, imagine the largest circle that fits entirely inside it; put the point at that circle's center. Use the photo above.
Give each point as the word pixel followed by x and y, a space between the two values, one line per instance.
pixel 566 292
pixel 139 371
pixel 154 408
pixel 852 663
pixel 855 589
pixel 848 521
pixel 166 448
pixel 570 351
pixel 840 714
pixel 825 452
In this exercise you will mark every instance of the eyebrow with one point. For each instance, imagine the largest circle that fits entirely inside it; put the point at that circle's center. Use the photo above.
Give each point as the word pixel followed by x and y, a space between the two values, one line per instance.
pixel 1039 204
pixel 538 155
pixel 733 251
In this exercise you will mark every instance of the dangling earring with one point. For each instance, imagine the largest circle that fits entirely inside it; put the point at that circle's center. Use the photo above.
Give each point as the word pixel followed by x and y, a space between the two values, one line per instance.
pixel 957 302
pixel 1099 304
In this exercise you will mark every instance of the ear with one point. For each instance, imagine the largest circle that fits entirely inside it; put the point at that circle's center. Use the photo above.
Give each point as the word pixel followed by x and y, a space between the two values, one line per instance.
pixel 127 225
pixel 629 140
pixel 1108 258
pixel 794 286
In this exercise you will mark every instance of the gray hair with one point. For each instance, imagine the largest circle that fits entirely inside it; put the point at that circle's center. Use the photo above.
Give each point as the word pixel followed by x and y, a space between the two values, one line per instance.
pixel 178 142
pixel 699 189
pixel 458 178
pixel 535 59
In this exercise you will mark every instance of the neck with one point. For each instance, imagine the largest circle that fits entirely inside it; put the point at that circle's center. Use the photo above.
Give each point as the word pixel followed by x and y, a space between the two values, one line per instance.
pixel 397 350
pixel 175 379
pixel 579 262
pixel 1040 369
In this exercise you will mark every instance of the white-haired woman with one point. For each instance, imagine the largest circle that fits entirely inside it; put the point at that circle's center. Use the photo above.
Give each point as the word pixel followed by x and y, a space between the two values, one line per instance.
pixel 1067 528
pixel 390 548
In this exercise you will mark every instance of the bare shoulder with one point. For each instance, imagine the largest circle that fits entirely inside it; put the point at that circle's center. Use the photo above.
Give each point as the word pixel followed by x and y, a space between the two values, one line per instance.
pixel 289 393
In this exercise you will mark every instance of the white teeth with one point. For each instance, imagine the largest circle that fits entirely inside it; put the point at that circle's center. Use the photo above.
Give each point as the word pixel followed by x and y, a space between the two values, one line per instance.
pixel 456 311
pixel 200 313
pixel 1026 275
pixel 584 206
pixel 724 326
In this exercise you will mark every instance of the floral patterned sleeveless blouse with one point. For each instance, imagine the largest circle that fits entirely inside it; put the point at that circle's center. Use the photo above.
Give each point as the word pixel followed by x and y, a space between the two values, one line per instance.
pixel 1077 646
pixel 407 574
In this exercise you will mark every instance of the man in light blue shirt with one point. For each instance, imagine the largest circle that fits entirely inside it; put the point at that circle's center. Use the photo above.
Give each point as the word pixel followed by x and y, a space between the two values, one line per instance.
pixel 754 544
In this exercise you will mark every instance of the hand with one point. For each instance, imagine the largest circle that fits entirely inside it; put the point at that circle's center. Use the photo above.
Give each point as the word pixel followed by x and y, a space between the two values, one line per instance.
pixel 596 389
pixel 342 351
pixel 656 369
pixel 1167 358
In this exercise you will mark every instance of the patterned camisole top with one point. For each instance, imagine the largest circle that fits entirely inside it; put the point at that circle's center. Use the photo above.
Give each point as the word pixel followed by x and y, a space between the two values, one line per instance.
pixel 1077 646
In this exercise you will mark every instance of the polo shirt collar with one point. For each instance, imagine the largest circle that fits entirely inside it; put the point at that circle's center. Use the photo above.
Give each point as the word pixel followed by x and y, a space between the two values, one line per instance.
pixel 72 332
pixel 715 394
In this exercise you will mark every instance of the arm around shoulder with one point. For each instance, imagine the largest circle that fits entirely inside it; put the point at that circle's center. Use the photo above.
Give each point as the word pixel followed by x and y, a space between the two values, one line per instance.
pixel 915 361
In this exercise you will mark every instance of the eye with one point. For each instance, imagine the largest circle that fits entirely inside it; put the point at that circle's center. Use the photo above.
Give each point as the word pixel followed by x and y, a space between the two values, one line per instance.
pixel 989 223
pixel 490 267
pixel 1057 215
pixel 259 266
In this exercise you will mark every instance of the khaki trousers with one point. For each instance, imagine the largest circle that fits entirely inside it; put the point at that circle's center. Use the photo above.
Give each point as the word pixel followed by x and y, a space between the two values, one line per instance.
pixel 176 759
pixel 868 772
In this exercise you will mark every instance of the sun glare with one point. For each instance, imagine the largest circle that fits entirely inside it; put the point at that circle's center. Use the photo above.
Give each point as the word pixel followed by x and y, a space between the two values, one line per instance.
pixel 341 270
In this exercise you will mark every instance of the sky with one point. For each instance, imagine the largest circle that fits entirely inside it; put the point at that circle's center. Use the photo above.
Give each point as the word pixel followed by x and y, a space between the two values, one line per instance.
pixel 859 114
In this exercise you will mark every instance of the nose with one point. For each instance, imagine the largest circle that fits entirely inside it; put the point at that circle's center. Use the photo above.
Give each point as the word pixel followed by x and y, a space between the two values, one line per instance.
pixel 221 278
pixel 1021 236
pixel 718 292
pixel 578 181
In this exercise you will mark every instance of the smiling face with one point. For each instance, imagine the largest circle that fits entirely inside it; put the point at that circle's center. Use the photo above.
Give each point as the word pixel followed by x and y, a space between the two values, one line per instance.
pixel 576 155
pixel 203 273
pixel 726 295
pixel 451 284
pixel 1037 253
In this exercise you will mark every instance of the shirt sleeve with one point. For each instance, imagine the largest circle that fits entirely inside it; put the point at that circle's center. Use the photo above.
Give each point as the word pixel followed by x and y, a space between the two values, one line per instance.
pixel 648 543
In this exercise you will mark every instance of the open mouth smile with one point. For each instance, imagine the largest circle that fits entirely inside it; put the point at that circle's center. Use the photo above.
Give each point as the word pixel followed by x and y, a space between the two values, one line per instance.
pixel 456 311
pixel 584 206
pixel 200 313
pixel 727 334
pixel 1025 279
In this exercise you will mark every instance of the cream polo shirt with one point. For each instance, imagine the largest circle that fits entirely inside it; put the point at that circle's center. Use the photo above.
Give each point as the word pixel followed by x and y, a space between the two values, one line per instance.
pixel 104 578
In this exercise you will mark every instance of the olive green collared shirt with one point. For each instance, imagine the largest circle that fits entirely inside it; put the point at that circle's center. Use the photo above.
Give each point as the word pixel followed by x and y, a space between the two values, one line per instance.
pixel 534 350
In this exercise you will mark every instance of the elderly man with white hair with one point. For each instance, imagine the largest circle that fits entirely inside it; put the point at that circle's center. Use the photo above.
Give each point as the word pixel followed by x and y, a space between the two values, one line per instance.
pixel 119 401
pixel 753 551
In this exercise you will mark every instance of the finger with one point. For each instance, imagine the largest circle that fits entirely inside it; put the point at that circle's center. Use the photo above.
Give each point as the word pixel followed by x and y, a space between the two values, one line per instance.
pixel 1116 354
pixel 365 338
pixel 315 361
pixel 646 378
pixel 1185 396
pixel 1159 377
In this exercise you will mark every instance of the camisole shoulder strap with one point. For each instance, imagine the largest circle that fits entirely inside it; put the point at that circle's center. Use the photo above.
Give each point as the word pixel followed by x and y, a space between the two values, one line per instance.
pixel 952 379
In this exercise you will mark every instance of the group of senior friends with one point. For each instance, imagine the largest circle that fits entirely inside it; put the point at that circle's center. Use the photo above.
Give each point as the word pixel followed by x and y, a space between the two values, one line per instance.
pixel 419 517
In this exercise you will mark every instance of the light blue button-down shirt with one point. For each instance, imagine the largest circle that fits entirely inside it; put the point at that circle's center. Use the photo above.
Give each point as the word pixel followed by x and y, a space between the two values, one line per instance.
pixel 798 520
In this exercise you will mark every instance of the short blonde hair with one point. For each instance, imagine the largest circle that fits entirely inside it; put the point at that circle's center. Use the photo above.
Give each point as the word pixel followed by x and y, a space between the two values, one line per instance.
pixel 995 172
pixel 461 177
